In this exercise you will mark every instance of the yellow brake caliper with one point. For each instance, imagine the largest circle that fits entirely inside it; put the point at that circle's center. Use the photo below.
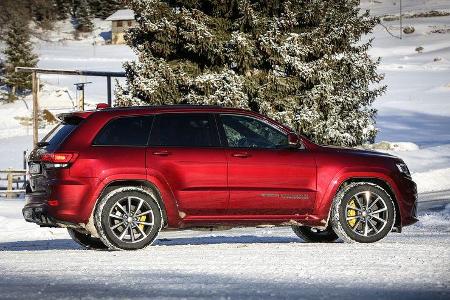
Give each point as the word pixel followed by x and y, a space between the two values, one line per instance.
pixel 351 213
pixel 142 219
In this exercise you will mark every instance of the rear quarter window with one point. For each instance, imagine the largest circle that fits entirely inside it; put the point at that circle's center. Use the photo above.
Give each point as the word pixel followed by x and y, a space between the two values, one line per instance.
pixel 59 133
pixel 125 131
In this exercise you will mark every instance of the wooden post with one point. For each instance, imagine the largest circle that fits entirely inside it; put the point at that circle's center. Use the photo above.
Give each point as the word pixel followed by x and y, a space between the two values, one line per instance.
pixel 9 187
pixel 401 24
pixel 81 105
pixel 35 91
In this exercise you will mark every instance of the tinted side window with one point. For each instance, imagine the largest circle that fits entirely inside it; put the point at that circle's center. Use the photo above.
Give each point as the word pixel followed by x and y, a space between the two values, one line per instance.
pixel 126 131
pixel 245 132
pixel 60 132
pixel 184 130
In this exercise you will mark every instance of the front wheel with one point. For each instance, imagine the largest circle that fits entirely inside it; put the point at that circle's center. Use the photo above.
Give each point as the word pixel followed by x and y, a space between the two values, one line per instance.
pixel 362 212
pixel 314 235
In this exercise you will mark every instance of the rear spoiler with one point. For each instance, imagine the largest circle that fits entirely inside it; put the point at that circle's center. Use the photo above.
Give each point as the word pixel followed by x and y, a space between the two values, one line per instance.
pixel 73 118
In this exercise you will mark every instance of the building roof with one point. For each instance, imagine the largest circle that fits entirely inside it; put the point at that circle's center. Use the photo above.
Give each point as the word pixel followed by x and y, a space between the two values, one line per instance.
pixel 121 14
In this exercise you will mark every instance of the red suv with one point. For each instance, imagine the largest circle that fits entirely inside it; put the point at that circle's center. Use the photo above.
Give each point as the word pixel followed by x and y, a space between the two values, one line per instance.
pixel 116 177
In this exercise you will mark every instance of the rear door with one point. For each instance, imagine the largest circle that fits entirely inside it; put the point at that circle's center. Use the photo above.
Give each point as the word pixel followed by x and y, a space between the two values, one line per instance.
pixel 184 148
pixel 265 177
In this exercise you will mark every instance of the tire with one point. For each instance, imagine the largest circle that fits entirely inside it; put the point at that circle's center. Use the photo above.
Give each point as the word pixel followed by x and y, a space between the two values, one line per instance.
pixel 86 240
pixel 128 218
pixel 362 212
pixel 313 235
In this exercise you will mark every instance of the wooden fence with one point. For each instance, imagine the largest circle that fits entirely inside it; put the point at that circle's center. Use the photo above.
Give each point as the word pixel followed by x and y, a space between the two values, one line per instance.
pixel 15 182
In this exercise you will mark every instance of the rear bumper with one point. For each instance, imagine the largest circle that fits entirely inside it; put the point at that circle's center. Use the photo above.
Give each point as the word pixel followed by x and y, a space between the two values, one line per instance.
pixel 36 210
pixel 38 213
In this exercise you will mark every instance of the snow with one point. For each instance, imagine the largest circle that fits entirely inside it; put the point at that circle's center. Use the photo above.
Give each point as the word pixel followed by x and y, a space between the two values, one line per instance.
pixel 121 14
pixel 416 106
pixel 239 263
pixel 429 166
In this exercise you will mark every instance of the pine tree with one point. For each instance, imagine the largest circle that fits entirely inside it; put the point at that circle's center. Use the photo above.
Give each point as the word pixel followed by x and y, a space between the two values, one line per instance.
pixel 11 9
pixel 83 16
pixel 301 62
pixel 62 8
pixel 3 94
pixel 105 8
pixel 18 53
pixel 44 13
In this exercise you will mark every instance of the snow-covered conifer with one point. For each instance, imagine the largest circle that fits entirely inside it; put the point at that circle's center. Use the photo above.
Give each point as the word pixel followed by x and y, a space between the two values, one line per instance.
pixel 83 16
pixel 105 8
pixel 18 53
pixel 301 62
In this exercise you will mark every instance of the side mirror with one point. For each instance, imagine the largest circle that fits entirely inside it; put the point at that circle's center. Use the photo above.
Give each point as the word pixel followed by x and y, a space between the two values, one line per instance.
pixel 293 140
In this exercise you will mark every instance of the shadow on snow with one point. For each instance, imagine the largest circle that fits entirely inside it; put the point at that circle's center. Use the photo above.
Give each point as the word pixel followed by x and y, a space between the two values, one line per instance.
pixel 68 244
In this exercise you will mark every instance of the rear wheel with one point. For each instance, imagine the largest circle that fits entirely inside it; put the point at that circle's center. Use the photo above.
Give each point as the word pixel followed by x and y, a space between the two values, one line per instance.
pixel 86 240
pixel 362 212
pixel 314 235
pixel 128 218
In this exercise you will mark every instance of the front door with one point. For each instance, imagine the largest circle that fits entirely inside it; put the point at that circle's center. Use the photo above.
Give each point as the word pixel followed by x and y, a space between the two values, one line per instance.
pixel 184 149
pixel 265 177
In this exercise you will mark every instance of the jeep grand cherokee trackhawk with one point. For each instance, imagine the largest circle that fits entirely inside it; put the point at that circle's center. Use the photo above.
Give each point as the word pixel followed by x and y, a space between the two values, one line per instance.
pixel 115 177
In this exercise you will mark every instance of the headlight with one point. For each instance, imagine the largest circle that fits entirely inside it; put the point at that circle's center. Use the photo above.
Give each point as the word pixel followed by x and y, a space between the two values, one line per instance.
pixel 403 168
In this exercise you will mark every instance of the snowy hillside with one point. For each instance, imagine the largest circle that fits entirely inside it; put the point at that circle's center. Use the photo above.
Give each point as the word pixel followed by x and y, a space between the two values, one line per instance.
pixel 416 107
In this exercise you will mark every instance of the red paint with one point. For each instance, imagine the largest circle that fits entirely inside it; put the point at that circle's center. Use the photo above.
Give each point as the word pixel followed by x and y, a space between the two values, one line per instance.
pixel 210 186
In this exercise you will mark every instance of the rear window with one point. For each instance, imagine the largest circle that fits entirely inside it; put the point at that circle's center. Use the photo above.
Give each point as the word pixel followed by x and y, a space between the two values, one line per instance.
pixel 185 130
pixel 125 131
pixel 57 135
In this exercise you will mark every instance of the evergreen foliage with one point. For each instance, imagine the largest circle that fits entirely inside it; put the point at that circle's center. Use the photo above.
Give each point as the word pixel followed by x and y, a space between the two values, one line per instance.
pixel 105 8
pixel 44 13
pixel 301 62
pixel 62 9
pixel 3 94
pixel 18 53
pixel 11 9
pixel 83 16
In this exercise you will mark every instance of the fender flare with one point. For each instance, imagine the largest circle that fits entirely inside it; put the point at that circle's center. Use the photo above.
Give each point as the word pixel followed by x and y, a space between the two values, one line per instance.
pixel 157 184
pixel 323 206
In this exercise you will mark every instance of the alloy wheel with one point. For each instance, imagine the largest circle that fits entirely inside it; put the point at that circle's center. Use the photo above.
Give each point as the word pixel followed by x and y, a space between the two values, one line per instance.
pixel 366 213
pixel 131 219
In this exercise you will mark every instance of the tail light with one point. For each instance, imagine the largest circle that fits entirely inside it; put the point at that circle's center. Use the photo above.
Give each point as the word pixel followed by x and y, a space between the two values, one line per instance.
pixel 58 159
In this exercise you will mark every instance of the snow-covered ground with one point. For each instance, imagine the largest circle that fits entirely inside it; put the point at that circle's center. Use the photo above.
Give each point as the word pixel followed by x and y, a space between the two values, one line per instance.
pixel 416 106
pixel 240 263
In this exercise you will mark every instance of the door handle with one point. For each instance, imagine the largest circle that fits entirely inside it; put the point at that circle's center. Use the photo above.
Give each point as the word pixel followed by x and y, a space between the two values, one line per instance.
pixel 241 155
pixel 161 153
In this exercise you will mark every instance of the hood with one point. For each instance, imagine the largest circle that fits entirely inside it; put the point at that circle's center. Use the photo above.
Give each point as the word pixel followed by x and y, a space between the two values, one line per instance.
pixel 358 152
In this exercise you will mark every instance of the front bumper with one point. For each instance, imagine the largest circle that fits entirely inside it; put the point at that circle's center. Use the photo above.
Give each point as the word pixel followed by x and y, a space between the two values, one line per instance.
pixel 408 205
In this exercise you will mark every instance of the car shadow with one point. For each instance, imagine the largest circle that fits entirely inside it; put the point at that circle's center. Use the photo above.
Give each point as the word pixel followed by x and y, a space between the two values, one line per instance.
pixel 214 240
pixel 68 244
pixel 38 245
